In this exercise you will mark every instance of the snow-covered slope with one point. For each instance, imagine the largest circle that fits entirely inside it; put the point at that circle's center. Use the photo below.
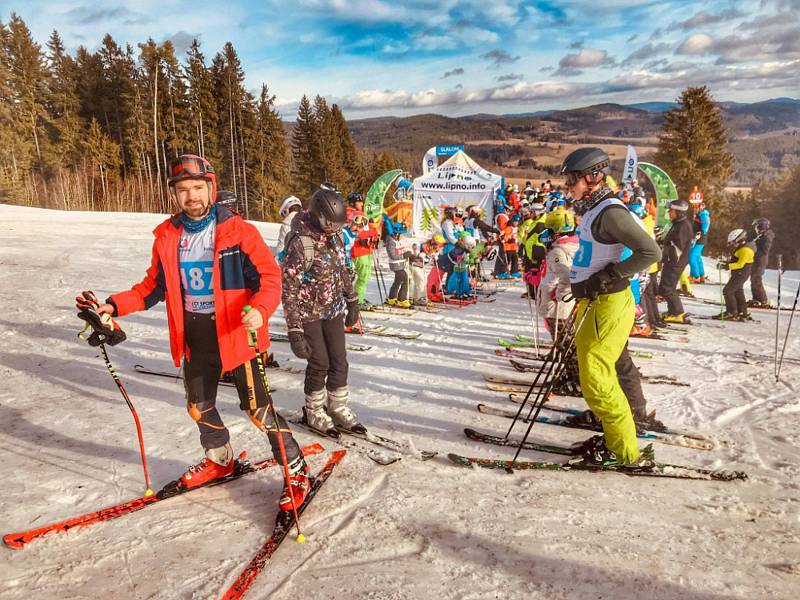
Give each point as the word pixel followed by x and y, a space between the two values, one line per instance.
pixel 410 530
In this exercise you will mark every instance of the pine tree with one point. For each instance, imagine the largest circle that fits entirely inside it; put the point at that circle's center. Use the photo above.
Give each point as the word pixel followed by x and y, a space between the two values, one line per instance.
pixel 202 106
pixel 303 157
pixel 177 119
pixel 272 168
pixel 63 105
pixel 351 164
pixel 104 156
pixel 230 95
pixel 118 98
pixel 692 146
pixel 326 148
pixel 28 84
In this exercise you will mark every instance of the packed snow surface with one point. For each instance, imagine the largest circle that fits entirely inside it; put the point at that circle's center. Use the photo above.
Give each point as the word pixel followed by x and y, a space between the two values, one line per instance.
pixel 410 530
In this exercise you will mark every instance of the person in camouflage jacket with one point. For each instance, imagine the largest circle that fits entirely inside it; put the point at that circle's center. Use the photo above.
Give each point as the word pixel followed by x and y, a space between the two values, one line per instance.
pixel 317 293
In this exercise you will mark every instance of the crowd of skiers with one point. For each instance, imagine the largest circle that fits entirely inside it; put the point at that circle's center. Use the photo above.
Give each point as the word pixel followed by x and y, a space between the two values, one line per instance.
pixel 585 244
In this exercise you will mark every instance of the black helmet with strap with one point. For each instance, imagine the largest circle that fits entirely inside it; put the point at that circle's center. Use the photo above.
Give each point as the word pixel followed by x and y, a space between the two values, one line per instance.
pixel 327 210
pixel 586 161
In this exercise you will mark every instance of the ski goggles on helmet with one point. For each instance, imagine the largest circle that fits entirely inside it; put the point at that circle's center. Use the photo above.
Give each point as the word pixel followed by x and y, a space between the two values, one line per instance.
pixel 189 167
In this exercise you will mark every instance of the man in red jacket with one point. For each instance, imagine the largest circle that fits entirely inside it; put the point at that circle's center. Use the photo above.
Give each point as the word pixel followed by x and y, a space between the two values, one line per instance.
pixel 208 264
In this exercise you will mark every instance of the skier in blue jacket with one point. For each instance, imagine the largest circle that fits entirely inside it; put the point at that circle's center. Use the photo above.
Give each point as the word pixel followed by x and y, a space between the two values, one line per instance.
pixel 701 224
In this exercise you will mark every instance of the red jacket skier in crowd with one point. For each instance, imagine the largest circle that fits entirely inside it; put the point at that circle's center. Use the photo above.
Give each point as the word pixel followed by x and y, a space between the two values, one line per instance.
pixel 208 263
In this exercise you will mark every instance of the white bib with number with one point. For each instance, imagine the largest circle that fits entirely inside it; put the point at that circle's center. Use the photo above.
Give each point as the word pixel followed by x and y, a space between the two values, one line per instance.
pixel 196 263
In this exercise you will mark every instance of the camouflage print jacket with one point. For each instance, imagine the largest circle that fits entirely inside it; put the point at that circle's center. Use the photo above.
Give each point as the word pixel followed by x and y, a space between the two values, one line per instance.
pixel 316 284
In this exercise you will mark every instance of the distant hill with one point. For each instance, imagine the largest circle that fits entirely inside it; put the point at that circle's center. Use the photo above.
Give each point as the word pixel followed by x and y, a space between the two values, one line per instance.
pixel 653 106
pixel 514 143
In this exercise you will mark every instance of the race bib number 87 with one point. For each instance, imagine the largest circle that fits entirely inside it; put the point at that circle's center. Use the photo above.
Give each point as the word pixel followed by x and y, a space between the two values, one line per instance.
pixel 196 277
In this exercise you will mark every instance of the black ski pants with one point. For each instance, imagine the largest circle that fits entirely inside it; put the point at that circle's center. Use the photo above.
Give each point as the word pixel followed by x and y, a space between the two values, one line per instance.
pixel 327 366
pixel 501 262
pixel 649 303
pixel 202 368
pixel 399 289
pixel 757 283
pixel 733 292
pixel 630 380
pixel 669 288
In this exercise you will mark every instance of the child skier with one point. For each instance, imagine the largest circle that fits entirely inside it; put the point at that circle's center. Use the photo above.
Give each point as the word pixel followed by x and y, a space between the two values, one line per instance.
pixel 398 293
pixel 289 208
pixel 740 265
pixel 365 243
pixel 318 303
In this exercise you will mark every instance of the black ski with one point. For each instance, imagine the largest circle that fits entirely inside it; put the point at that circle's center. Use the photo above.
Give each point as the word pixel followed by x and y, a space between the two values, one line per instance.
pixel 657 470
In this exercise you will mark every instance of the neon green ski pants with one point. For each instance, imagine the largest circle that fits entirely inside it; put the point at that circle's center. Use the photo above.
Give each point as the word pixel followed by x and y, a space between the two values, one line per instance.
pixel 363 266
pixel 599 343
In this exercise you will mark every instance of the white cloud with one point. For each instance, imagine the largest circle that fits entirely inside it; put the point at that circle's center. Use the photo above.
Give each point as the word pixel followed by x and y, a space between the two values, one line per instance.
pixel 587 57
pixel 696 44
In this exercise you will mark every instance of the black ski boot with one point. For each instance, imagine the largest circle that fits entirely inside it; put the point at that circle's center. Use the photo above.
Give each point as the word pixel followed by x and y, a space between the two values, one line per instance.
pixel 586 420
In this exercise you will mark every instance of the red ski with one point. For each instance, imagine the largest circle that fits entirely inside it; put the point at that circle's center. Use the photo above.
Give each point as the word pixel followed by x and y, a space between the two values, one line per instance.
pixel 243 467
pixel 283 526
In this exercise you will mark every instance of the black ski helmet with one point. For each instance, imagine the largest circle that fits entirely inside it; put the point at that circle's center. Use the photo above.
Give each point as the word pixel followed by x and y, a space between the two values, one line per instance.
pixel 586 161
pixel 761 225
pixel 227 199
pixel 679 205
pixel 449 212
pixel 354 197
pixel 328 211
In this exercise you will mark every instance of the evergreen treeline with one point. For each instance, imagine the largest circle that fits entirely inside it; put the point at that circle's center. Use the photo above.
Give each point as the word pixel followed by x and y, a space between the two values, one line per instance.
pixel 96 131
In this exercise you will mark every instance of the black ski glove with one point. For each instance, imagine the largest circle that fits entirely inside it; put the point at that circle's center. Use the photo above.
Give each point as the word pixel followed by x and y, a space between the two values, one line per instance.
pixel 297 340
pixel 598 283
pixel 105 330
pixel 352 313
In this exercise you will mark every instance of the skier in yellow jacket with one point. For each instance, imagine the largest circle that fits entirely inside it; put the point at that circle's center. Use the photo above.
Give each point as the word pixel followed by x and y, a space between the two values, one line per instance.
pixel 740 265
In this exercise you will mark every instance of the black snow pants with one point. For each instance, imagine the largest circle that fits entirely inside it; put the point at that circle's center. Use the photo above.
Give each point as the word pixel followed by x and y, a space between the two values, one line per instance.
pixel 327 365
pixel 202 369
pixel 733 292
pixel 669 288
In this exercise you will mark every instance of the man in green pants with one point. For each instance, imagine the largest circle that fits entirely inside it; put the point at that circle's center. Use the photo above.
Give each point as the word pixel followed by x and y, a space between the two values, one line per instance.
pixel 606 308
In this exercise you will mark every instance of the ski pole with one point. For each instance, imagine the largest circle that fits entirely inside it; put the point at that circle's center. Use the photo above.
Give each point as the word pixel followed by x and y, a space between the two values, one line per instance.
pixel 377 280
pixel 778 316
pixel 561 367
pixel 148 490
pixel 721 292
pixel 788 328
pixel 545 369
pixel 253 338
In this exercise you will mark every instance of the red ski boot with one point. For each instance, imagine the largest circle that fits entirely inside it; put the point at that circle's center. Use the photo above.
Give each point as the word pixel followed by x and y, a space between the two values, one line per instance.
pixel 218 463
pixel 300 484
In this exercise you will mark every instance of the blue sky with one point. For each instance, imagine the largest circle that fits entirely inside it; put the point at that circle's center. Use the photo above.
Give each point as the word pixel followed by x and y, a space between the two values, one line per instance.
pixel 387 57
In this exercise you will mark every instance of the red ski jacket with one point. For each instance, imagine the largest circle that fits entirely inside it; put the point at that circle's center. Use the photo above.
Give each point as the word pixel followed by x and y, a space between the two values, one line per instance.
pixel 245 272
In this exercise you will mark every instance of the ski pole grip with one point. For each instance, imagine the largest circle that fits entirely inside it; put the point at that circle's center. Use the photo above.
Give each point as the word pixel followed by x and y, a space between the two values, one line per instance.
pixel 252 333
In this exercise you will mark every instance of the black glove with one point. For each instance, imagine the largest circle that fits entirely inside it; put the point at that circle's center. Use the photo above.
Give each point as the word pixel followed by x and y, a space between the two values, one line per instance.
pixel 723 265
pixel 599 282
pixel 105 330
pixel 297 340
pixel 364 242
pixel 352 313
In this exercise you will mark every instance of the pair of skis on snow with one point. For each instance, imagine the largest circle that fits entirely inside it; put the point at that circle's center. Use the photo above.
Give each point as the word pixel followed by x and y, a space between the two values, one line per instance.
pixel 283 523
pixel 696 441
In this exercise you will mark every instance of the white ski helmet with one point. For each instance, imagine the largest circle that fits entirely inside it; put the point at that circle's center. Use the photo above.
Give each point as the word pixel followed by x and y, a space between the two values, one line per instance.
pixel 736 237
pixel 469 241
pixel 287 205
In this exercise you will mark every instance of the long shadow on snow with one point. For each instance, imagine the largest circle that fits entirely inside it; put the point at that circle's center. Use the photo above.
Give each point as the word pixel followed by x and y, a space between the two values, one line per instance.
pixel 564 575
